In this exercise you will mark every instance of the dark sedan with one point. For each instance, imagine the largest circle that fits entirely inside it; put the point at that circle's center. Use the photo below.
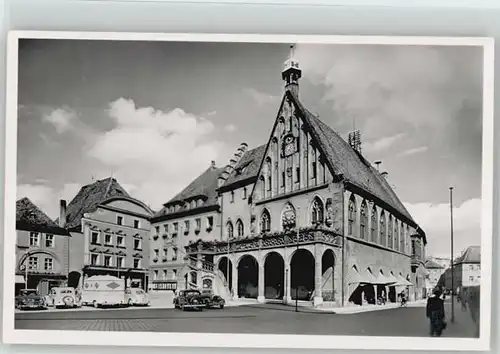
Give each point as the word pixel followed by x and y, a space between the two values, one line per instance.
pixel 189 299
pixel 29 299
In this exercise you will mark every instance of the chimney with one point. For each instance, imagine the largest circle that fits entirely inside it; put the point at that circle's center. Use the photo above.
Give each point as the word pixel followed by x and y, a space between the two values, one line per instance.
pixel 212 164
pixel 62 213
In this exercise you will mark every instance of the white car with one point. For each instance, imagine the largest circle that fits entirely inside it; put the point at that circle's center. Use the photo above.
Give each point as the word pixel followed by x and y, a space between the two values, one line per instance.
pixel 136 297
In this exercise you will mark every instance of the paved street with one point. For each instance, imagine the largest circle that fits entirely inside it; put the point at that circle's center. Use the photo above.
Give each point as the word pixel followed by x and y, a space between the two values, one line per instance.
pixel 274 319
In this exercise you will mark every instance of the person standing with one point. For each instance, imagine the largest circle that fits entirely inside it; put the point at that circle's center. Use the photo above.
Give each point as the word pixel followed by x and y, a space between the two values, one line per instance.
pixel 435 313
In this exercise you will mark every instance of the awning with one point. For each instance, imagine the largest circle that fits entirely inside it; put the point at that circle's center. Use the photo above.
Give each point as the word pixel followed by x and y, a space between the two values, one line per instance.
pixel 382 279
pixel 354 277
pixel 392 277
pixel 403 281
pixel 19 279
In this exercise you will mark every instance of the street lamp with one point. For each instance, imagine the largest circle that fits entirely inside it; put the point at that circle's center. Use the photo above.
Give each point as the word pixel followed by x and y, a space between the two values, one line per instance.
pixel 451 261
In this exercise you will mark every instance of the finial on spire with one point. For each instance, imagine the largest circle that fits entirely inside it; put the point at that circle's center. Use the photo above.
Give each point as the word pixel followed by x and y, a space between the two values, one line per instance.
pixel 292 50
pixel 291 72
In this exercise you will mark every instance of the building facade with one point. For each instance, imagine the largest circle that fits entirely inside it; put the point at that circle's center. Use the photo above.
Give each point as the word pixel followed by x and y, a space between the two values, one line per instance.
pixel 193 214
pixel 42 249
pixel 434 272
pixel 110 234
pixel 466 270
pixel 306 216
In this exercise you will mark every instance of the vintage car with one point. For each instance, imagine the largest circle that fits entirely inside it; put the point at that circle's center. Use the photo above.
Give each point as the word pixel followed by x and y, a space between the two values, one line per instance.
pixel 63 297
pixel 189 299
pixel 136 297
pixel 211 300
pixel 29 299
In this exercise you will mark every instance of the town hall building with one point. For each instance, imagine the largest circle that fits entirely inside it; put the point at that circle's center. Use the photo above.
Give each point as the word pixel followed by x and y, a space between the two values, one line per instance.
pixel 304 216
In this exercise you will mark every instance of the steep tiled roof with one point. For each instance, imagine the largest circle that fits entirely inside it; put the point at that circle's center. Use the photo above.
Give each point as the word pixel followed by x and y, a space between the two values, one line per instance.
pixel 89 197
pixel 204 185
pixel 30 218
pixel 471 255
pixel 247 167
pixel 345 161
pixel 430 264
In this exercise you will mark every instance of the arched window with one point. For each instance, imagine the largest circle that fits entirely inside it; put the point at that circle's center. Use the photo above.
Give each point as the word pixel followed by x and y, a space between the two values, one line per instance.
pixel 265 221
pixel 230 230
pixel 317 211
pixel 363 220
pixel 269 170
pixel 351 216
pixel 239 228
pixel 262 183
pixel 389 232
pixel 373 231
pixel 289 217
pixel 396 234
pixel 402 238
pixel 382 229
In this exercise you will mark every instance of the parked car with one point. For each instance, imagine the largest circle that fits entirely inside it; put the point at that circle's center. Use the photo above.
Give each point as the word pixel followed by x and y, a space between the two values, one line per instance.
pixel 211 300
pixel 189 299
pixel 136 297
pixel 29 299
pixel 66 297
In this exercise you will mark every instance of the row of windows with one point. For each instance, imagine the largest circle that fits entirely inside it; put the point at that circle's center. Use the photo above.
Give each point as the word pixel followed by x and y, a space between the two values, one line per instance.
pixel 34 264
pixel 136 224
pixel 195 203
pixel 391 235
pixel 173 228
pixel 95 239
pixel 36 240
pixel 106 260
pixel 165 274
pixel 156 254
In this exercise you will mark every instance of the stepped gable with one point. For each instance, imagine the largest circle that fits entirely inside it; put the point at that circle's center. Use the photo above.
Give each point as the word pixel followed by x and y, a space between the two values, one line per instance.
pixel 351 165
pixel 89 197
pixel 430 264
pixel 247 168
pixel 471 255
pixel 31 218
pixel 204 186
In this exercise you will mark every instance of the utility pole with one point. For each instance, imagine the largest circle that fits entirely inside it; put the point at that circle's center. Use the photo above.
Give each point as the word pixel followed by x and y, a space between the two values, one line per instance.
pixel 451 261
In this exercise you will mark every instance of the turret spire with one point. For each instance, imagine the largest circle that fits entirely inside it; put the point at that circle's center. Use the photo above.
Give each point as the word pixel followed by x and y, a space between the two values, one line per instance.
pixel 292 73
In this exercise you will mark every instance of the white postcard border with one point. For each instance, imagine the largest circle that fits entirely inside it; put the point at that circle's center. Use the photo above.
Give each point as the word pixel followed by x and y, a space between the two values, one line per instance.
pixel 13 336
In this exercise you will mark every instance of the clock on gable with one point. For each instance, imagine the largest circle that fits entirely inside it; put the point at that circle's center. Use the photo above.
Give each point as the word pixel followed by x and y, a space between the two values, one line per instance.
pixel 289 145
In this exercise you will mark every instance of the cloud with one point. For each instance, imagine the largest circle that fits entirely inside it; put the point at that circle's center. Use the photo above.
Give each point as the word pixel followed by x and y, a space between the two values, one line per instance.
pixel 46 197
pixel 388 88
pixel 435 220
pixel 261 98
pixel 61 118
pixel 230 128
pixel 383 143
pixel 212 113
pixel 414 151
pixel 156 152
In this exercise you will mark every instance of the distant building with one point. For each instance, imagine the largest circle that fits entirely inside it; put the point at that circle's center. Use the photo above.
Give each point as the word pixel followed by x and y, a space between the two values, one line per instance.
pixel 42 249
pixel 110 233
pixel 466 270
pixel 193 214
pixel 434 272
pixel 442 261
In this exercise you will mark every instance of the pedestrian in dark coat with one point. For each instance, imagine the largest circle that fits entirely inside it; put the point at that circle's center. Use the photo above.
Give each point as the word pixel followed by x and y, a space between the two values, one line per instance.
pixel 435 313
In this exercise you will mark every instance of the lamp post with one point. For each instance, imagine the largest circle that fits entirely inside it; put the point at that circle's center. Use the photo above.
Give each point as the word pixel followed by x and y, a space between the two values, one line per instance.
pixel 298 240
pixel 451 261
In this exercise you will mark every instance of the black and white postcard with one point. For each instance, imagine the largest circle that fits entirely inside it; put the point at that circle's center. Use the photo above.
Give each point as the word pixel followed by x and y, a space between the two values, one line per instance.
pixel 248 191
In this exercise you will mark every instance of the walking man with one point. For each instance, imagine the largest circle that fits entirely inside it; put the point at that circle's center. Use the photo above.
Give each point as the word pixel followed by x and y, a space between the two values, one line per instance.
pixel 435 313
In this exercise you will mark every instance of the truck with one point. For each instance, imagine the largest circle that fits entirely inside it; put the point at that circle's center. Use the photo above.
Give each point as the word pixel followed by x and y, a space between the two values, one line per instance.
pixel 103 291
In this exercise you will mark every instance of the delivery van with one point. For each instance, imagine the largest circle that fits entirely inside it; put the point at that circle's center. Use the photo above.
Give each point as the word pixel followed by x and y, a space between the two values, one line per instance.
pixel 103 290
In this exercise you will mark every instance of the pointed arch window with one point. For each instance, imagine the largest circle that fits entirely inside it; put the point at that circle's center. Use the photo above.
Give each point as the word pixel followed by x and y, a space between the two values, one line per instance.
pixel 382 228
pixel 265 221
pixel 363 220
pixel 239 228
pixel 373 231
pixel 317 211
pixel 351 217
pixel 402 238
pixel 389 232
pixel 229 229
pixel 289 217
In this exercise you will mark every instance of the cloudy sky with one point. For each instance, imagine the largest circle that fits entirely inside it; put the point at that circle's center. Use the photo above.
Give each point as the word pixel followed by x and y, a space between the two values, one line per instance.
pixel 155 114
